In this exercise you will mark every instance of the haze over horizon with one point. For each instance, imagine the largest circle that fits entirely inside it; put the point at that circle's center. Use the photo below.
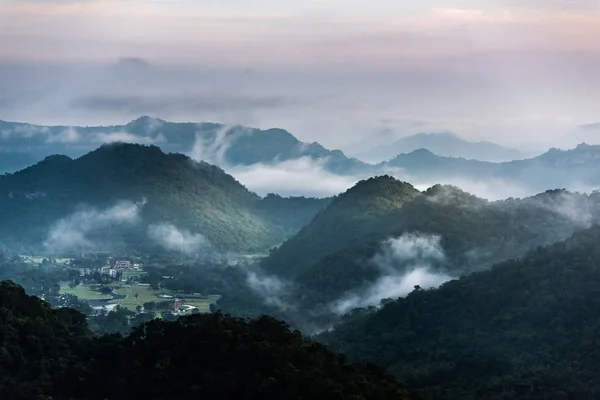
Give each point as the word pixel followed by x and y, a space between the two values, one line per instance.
pixel 347 76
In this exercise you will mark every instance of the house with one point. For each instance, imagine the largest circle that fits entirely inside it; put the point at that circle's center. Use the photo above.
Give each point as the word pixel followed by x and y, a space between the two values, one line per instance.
pixel 121 264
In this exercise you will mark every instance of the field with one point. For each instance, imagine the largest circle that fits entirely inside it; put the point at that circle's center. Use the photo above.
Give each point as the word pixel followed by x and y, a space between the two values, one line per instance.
pixel 129 273
pixel 84 292
pixel 144 294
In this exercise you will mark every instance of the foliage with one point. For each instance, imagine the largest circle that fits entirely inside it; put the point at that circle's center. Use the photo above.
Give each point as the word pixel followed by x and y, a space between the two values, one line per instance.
pixel 47 353
pixel 526 329
pixel 195 196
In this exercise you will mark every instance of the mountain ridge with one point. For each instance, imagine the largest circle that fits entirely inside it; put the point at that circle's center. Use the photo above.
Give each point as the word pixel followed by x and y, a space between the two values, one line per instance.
pixel 193 195
pixel 445 144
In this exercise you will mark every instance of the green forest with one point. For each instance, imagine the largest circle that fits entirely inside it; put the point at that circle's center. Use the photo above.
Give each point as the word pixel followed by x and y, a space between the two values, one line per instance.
pixel 526 329
pixel 50 354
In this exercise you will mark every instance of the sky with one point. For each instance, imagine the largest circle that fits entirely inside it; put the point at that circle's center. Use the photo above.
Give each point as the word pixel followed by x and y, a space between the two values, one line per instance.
pixel 346 73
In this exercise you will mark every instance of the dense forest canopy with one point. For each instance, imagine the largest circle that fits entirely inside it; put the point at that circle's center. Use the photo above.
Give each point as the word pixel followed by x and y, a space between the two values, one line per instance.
pixel 49 354
pixel 526 329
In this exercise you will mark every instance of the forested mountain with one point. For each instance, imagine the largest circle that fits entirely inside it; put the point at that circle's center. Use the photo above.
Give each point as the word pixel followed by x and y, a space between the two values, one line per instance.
pixel 445 144
pixel 22 144
pixel 526 329
pixel 115 193
pixel 50 354
pixel 554 169
pixel 382 229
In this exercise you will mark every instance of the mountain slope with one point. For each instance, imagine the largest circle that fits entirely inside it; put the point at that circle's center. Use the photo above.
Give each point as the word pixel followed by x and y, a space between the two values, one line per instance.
pixel 47 353
pixel 527 329
pixel 445 144
pixel 350 216
pixel 162 188
pixel 215 143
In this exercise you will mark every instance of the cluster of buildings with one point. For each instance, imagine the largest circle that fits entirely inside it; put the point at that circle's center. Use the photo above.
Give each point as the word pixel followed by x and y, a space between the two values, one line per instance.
pixel 112 270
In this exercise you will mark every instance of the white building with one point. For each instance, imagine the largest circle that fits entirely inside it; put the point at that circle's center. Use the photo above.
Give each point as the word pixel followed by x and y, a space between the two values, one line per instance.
pixel 122 264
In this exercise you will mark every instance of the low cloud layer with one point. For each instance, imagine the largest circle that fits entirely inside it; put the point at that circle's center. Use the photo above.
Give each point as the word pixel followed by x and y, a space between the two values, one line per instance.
pixel 404 262
pixel 301 177
pixel 171 238
pixel 270 289
pixel 71 233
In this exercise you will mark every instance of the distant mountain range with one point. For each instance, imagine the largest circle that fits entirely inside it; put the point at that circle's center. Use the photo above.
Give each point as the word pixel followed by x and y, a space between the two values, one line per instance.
pixel 575 169
pixel 233 147
pixel 23 144
pixel 444 144
pixel 135 196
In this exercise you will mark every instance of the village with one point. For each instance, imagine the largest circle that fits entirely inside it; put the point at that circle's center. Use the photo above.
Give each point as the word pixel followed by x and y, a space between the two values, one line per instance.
pixel 106 281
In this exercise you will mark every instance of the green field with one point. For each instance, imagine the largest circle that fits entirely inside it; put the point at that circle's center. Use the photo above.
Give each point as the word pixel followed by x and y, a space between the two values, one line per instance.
pixel 84 292
pixel 130 273
pixel 144 294
pixel 147 294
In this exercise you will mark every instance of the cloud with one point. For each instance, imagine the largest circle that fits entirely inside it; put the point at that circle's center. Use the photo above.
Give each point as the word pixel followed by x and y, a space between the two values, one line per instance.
pixel 212 149
pixel 71 232
pixel 404 262
pixel 301 177
pixel 69 135
pixel 174 239
pixel 270 289
pixel 491 189
pixel 126 137
pixel 168 103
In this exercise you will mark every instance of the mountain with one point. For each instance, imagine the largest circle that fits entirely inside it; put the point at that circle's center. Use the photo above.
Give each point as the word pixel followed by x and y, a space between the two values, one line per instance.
pixel 350 216
pixel 526 329
pixel 444 144
pixel 219 144
pixel 362 247
pixel 119 193
pixel 556 168
pixel 203 356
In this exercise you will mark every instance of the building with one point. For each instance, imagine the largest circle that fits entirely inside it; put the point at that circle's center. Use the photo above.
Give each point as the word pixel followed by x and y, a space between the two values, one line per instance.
pixel 120 264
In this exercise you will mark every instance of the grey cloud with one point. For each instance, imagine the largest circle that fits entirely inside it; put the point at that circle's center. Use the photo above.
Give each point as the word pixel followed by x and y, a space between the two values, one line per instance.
pixel 591 127
pixel 167 103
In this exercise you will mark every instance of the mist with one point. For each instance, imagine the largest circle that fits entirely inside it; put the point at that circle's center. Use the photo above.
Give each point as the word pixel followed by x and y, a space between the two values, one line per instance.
pixel 403 262
pixel 71 232
pixel 270 289
pixel 171 238
pixel 301 177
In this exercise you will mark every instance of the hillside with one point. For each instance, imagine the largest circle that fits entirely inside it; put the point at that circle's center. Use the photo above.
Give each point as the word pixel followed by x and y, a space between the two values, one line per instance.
pixel 527 329
pixel 118 191
pixel 218 144
pixel 350 216
pixel 445 144
pixel 203 356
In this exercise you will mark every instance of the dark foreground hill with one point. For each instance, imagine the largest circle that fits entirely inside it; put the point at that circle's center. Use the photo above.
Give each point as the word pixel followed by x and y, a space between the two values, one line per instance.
pixel 112 195
pixel 527 329
pixel 50 354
